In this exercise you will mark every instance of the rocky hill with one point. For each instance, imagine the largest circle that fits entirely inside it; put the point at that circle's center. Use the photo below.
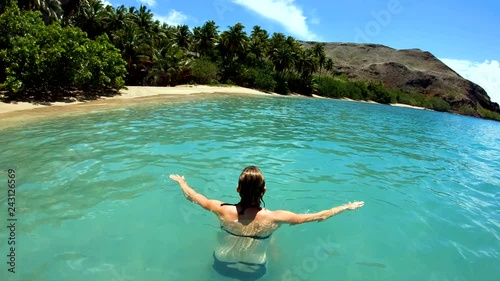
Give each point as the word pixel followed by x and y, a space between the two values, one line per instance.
pixel 411 71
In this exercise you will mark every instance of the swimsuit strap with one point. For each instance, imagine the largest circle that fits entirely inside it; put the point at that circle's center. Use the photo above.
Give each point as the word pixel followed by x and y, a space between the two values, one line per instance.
pixel 247 236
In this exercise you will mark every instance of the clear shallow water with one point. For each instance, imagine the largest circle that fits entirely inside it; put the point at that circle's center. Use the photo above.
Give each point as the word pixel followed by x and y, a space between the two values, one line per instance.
pixel 94 201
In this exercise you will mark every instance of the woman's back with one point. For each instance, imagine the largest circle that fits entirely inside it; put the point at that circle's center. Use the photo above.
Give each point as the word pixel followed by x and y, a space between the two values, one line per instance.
pixel 244 237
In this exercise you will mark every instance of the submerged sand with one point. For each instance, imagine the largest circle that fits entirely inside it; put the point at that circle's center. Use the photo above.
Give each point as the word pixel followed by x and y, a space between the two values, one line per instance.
pixel 23 113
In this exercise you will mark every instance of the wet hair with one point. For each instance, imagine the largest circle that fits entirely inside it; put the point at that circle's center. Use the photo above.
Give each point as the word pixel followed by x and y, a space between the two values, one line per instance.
pixel 251 185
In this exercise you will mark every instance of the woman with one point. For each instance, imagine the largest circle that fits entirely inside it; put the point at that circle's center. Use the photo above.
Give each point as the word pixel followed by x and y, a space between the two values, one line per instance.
pixel 246 226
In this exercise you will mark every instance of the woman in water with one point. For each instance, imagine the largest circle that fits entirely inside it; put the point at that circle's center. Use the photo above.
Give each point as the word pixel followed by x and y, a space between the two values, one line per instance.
pixel 246 226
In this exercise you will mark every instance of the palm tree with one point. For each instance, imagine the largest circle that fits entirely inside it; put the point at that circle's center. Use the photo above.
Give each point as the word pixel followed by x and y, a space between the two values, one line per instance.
pixel 51 9
pixel 205 38
pixel 114 18
pixel 234 41
pixel 259 45
pixel 169 62
pixel 90 18
pixel 319 52
pixel 70 9
pixel 143 18
pixel 306 65
pixel 134 48
pixel 278 40
pixel 329 65
pixel 283 59
pixel 183 36
pixel 232 46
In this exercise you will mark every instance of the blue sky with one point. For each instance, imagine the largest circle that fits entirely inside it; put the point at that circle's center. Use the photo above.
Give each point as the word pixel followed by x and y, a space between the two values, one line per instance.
pixel 463 34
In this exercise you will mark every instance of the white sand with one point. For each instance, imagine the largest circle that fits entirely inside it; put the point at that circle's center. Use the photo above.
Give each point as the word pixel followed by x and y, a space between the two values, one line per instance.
pixel 409 106
pixel 22 113
pixel 133 92
pixel 392 104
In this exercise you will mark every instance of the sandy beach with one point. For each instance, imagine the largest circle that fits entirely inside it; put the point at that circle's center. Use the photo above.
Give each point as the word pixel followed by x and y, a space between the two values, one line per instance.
pixel 22 113
pixel 133 92
pixel 408 106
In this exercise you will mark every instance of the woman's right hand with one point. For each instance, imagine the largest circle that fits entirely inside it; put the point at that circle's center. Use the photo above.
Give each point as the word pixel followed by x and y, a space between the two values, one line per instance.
pixel 177 178
pixel 354 205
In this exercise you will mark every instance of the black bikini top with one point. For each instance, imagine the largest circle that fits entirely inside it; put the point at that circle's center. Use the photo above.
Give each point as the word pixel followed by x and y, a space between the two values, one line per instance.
pixel 247 236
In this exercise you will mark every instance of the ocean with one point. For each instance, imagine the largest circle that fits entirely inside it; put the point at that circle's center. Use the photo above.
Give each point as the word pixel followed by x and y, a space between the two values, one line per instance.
pixel 93 200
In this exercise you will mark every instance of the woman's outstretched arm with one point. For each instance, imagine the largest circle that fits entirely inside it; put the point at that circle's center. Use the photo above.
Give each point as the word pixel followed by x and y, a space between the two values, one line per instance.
pixel 193 196
pixel 283 217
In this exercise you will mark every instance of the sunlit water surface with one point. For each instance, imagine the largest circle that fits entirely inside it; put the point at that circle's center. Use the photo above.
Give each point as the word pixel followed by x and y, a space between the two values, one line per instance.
pixel 94 201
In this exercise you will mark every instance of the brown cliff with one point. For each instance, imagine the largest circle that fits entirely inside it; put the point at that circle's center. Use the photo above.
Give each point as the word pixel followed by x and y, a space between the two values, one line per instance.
pixel 411 71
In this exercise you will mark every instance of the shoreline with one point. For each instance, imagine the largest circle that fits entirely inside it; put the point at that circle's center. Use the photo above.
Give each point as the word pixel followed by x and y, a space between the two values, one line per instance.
pixel 24 113
pixel 134 92
pixel 373 102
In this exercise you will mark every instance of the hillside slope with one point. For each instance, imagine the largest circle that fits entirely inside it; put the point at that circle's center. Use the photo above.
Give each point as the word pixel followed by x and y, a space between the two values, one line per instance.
pixel 411 71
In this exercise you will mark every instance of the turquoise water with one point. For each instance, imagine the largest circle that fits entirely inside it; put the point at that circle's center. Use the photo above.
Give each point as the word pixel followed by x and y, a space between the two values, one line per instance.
pixel 94 201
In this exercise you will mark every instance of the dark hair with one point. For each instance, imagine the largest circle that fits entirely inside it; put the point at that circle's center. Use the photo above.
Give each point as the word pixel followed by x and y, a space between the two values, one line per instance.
pixel 251 185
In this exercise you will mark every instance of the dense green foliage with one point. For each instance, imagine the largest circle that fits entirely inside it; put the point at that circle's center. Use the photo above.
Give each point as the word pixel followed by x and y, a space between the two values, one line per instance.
pixel 204 71
pixel 487 114
pixel 341 87
pixel 43 62
pixel 52 47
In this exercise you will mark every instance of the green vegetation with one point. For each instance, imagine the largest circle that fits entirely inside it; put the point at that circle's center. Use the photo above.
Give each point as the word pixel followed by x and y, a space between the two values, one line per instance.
pixel 487 114
pixel 341 87
pixel 466 110
pixel 54 48
pixel 44 62
pixel 50 50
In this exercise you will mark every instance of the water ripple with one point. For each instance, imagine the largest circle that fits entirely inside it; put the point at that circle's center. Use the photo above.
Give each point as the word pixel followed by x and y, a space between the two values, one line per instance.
pixel 430 182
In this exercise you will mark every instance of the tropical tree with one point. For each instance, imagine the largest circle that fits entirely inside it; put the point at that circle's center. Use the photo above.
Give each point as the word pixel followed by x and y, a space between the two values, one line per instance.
pixel 51 9
pixel 283 59
pixel 319 52
pixel 258 48
pixel 205 39
pixel 143 18
pixel 115 18
pixel 232 46
pixel 308 65
pixel 70 9
pixel 329 65
pixel 278 40
pixel 233 42
pixel 90 18
pixel 134 49
pixel 183 36
pixel 169 63
pixel 42 61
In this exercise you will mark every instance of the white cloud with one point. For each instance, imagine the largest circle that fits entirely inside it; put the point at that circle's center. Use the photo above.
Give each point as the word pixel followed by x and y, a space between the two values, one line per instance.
pixel 173 18
pixel 149 3
pixel 284 12
pixel 485 74
pixel 106 3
